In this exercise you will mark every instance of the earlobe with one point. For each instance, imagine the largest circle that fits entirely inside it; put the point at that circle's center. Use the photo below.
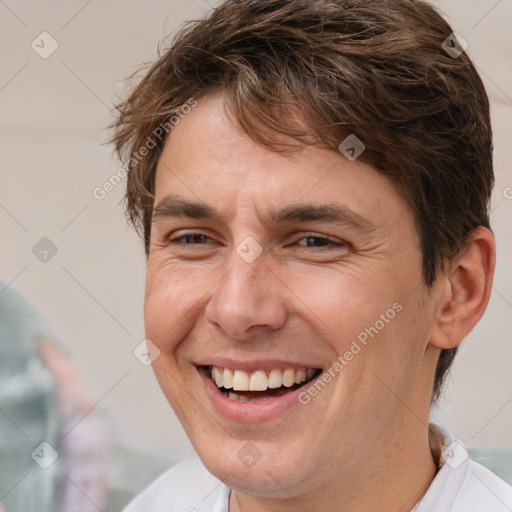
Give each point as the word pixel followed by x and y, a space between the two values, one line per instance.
pixel 466 288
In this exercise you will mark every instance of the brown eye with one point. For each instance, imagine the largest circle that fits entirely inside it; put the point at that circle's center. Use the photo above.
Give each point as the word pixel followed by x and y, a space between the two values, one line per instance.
pixel 320 241
pixel 190 238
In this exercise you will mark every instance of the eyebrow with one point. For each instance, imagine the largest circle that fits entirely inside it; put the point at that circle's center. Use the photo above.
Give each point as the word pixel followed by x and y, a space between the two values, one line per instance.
pixel 173 206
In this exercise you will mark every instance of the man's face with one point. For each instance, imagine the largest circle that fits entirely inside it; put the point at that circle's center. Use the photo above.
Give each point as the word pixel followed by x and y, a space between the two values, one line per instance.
pixel 266 292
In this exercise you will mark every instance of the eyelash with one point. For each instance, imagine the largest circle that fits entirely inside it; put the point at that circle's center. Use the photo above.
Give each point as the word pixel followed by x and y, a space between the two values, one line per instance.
pixel 314 236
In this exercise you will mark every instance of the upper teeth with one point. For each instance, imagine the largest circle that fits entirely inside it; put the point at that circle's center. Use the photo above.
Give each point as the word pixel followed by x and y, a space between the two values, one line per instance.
pixel 259 380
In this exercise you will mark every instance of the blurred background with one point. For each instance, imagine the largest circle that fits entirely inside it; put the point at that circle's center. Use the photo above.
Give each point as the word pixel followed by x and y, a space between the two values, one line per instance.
pixel 72 270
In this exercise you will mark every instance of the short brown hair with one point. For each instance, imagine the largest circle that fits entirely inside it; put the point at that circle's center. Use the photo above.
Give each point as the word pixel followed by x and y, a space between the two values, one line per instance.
pixel 318 71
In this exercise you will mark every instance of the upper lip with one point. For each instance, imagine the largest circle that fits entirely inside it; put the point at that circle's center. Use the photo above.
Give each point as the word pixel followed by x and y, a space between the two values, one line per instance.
pixel 255 364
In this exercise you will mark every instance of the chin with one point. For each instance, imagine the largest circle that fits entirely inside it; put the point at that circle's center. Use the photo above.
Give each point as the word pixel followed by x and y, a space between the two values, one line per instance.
pixel 264 472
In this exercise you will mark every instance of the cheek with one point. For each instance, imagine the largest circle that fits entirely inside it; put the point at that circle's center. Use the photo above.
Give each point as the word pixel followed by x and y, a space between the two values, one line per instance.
pixel 171 299
pixel 342 303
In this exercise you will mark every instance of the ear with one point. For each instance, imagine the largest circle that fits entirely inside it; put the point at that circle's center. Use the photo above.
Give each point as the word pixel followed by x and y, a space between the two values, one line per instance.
pixel 464 289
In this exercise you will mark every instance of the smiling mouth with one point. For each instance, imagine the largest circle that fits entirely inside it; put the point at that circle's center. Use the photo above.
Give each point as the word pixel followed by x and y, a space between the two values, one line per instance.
pixel 242 386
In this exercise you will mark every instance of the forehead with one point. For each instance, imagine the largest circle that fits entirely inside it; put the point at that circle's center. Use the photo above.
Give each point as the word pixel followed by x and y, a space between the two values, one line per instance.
pixel 208 160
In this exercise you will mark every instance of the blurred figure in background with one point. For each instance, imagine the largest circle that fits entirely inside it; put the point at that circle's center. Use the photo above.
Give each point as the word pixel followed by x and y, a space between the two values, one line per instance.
pixel 43 399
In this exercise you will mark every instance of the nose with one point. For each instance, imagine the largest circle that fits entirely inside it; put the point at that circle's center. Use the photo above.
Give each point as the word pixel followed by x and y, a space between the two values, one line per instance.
pixel 248 296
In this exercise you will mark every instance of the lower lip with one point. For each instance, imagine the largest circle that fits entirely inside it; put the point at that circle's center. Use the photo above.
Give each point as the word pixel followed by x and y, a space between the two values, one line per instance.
pixel 250 412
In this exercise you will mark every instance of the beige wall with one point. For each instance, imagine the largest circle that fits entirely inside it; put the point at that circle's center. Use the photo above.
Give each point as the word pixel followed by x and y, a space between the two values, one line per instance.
pixel 53 114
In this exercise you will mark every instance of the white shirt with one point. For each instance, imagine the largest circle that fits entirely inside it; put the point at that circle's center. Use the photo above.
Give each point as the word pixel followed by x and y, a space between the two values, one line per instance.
pixel 460 485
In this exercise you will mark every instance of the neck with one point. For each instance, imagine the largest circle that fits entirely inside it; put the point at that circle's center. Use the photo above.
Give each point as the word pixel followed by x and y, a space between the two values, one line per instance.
pixel 389 478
